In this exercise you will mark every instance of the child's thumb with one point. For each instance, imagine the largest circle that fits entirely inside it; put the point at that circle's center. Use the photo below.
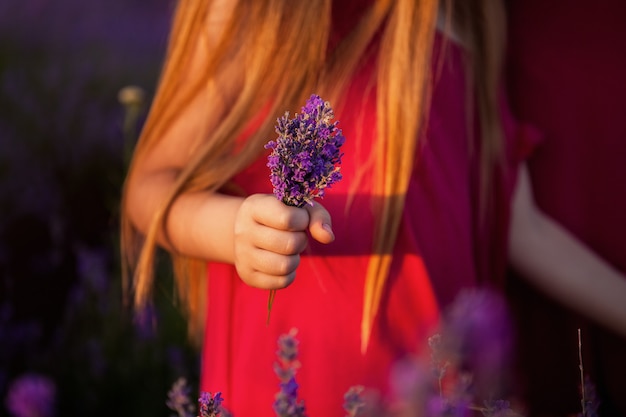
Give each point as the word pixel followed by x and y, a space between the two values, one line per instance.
pixel 320 223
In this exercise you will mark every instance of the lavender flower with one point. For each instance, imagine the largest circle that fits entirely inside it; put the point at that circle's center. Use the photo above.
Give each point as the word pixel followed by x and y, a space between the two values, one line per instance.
pixel 477 338
pixel 438 362
pixel 178 399
pixel 305 156
pixel 31 395
pixel 286 403
pixel 288 348
pixel 353 401
pixel 210 405
pixel 287 354
pixel 467 361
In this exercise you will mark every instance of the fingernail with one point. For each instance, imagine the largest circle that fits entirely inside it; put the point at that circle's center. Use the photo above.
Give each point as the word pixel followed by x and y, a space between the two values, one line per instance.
pixel 329 229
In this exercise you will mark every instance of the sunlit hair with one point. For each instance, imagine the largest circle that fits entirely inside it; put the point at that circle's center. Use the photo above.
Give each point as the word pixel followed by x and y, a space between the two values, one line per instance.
pixel 283 54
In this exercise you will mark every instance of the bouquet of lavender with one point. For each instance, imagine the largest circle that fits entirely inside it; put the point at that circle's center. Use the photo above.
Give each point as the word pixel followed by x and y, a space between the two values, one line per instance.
pixel 305 157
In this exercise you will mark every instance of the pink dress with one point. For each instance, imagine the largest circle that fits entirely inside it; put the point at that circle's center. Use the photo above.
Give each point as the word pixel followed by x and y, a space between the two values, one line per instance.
pixel 439 251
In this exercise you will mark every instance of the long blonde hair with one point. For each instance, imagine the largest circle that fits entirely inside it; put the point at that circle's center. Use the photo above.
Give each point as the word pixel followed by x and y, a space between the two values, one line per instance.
pixel 285 54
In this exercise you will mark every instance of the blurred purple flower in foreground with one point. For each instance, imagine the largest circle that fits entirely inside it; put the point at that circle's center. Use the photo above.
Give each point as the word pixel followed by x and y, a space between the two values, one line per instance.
pixel 286 403
pixel 477 337
pixel 210 405
pixel 306 155
pixel 353 401
pixel 31 395
pixel 178 399
pixel 468 367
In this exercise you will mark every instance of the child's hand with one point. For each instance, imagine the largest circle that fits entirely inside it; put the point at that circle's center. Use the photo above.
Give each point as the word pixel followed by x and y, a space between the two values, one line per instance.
pixel 269 237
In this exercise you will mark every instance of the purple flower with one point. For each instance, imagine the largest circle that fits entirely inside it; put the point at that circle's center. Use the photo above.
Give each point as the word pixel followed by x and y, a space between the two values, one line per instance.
pixel 477 339
pixel 178 399
pixel 210 405
pixel 288 347
pixel 31 395
pixel 353 401
pixel 306 155
pixel 438 361
pixel 287 354
pixel 467 363
pixel 286 403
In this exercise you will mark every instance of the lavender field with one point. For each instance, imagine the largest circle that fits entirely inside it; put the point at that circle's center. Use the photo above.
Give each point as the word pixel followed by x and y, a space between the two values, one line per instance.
pixel 68 346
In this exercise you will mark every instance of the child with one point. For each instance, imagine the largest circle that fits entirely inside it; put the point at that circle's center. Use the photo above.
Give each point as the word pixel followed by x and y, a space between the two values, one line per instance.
pixel 421 213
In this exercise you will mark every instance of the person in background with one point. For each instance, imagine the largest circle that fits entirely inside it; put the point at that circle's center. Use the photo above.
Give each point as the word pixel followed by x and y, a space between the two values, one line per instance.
pixel 565 75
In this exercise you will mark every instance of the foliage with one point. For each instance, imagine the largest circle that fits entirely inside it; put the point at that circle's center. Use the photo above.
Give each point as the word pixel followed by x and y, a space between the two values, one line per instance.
pixel 62 143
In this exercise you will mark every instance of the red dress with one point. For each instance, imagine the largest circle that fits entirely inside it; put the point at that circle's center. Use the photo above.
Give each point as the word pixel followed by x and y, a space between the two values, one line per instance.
pixel 435 257
pixel 566 77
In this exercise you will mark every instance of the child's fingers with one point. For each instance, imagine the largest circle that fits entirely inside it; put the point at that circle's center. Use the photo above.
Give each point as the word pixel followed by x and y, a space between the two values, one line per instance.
pixel 273 213
pixel 269 270
pixel 280 241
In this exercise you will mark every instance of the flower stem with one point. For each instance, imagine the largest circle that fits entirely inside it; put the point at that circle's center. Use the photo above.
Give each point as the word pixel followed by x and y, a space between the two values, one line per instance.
pixel 270 301
pixel 582 375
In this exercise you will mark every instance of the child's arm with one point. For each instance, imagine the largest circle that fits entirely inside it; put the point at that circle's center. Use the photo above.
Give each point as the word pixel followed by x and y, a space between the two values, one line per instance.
pixel 556 262
pixel 259 235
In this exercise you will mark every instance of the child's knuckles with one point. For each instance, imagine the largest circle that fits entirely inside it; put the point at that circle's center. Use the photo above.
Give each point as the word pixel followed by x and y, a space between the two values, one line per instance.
pixel 286 265
pixel 294 243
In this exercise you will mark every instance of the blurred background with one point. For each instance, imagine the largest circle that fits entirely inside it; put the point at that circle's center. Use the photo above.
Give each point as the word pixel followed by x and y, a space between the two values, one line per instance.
pixel 64 141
